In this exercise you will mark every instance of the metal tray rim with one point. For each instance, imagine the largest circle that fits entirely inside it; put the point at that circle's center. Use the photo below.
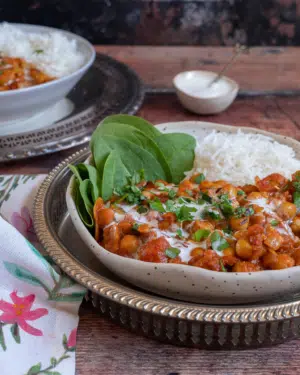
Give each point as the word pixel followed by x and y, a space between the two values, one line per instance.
pixel 141 300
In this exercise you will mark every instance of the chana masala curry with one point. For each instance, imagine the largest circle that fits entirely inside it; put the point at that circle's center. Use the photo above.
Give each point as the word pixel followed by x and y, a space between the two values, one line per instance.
pixel 208 224
pixel 16 73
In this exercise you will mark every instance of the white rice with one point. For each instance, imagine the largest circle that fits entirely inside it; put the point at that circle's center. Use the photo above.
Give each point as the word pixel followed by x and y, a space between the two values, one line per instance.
pixel 50 52
pixel 240 157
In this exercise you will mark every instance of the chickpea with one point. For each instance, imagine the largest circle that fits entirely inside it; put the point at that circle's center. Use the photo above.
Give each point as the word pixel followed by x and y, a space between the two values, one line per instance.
pixel 163 225
pixel 104 217
pixel 243 249
pixel 202 224
pixel 258 218
pixel 256 195
pixel 148 195
pixel 229 252
pixel 129 244
pixel 125 227
pixel 197 251
pixel 274 240
pixel 241 234
pixel 257 209
pixel 283 261
pixel 249 188
pixel 287 210
pixel 269 260
pixel 296 225
pixel 230 190
pixel 184 187
pixel 144 228
pixel 239 223
pixel 245 267
pixel 111 238
pixel 296 257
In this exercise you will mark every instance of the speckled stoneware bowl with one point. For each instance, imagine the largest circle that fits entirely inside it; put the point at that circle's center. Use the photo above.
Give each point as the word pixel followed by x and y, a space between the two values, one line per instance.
pixel 192 283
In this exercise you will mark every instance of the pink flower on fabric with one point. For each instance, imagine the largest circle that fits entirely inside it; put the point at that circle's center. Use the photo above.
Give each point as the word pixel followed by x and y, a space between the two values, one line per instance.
pixel 72 339
pixel 23 223
pixel 20 311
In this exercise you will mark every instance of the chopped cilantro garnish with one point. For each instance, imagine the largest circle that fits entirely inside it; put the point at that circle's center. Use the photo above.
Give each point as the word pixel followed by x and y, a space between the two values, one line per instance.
pixel 243 211
pixel 142 210
pixel 172 252
pixel 223 269
pixel 297 175
pixel 227 231
pixel 201 234
pixel 296 185
pixel 206 197
pixel 212 213
pixel 156 205
pixel 225 205
pixel 170 206
pixel 274 222
pixel 184 213
pixel 39 51
pixel 241 192
pixel 296 199
pixel 218 242
pixel 172 194
pixel 183 200
pixel 130 192
pixel 201 201
pixel 179 233
pixel 199 178
pixel 135 226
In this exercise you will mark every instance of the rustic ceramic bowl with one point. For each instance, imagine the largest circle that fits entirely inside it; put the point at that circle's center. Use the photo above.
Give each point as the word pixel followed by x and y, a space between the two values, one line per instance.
pixel 186 84
pixel 192 283
pixel 22 104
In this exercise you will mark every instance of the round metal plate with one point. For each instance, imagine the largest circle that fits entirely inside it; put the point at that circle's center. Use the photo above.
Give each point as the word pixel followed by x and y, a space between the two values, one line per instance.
pixel 108 87
pixel 168 320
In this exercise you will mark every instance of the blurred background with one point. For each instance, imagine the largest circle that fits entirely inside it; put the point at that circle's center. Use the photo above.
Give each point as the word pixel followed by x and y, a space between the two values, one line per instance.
pixel 165 22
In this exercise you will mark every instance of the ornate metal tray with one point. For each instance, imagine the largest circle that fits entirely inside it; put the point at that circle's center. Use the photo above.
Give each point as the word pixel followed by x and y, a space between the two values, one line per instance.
pixel 171 321
pixel 108 87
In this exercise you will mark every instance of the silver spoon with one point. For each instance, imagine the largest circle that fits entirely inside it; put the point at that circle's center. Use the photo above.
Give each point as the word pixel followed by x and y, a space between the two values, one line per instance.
pixel 238 50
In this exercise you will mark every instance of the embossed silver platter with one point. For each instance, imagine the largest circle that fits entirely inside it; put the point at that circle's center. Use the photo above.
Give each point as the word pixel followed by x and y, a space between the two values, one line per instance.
pixel 108 87
pixel 167 320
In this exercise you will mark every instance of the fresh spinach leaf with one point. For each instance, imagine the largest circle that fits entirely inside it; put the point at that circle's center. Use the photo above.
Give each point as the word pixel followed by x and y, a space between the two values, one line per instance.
pixel 133 157
pixel 84 205
pixel 131 134
pixel 137 122
pixel 115 175
pixel 178 149
pixel 89 172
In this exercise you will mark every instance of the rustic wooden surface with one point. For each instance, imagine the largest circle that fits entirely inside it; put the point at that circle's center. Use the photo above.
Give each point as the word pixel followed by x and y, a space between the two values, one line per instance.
pixel 106 349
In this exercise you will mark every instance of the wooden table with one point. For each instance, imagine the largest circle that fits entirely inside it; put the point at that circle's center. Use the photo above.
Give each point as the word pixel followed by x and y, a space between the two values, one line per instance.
pixel 104 348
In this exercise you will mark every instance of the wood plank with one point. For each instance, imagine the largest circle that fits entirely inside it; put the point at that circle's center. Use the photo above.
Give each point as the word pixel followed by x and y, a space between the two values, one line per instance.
pixel 264 68
pixel 105 348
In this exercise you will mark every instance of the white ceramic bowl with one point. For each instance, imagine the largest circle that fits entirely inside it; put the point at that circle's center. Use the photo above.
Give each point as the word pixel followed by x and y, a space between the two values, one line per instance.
pixel 192 283
pixel 186 84
pixel 22 104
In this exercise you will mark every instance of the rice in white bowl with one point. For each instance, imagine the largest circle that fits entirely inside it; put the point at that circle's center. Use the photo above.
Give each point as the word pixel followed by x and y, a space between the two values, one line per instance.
pixel 51 52
pixel 239 157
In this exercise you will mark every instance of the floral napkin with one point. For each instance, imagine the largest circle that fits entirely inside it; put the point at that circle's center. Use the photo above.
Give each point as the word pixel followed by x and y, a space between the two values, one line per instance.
pixel 38 303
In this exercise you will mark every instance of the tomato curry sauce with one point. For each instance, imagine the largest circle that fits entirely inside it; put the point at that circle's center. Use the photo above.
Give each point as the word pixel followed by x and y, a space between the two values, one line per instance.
pixel 16 73
pixel 209 224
